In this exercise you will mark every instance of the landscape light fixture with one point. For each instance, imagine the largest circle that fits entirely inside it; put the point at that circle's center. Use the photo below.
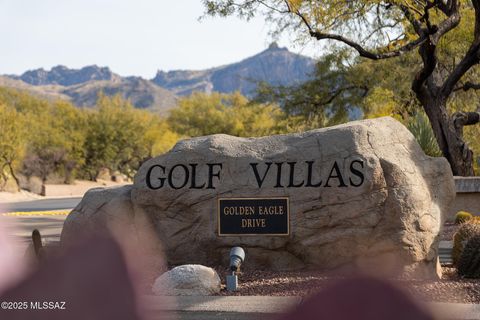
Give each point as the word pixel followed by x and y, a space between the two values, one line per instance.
pixel 237 257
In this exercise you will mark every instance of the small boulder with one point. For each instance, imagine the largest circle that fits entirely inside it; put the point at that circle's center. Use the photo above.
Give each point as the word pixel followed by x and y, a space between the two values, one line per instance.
pixel 188 280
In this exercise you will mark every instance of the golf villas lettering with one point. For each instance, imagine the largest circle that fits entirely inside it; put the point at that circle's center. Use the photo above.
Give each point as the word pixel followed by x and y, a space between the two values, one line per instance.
pixel 257 216
pixel 158 176
pixel 288 174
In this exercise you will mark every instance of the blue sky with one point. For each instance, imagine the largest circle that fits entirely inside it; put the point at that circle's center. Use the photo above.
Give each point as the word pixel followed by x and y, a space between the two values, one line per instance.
pixel 132 37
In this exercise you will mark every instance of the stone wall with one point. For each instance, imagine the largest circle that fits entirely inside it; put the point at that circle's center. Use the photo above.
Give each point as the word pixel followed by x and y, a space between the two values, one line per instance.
pixel 468 196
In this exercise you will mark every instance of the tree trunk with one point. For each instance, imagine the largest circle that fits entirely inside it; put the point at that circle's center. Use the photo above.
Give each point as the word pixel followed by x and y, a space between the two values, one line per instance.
pixel 12 172
pixel 449 139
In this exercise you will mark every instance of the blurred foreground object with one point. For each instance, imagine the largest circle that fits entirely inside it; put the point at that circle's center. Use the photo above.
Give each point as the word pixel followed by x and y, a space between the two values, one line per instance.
pixel 12 262
pixel 360 299
pixel 91 278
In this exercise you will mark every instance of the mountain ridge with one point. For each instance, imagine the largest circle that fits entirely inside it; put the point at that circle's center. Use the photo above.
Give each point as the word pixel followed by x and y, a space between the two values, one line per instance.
pixel 64 76
pixel 242 75
pixel 275 65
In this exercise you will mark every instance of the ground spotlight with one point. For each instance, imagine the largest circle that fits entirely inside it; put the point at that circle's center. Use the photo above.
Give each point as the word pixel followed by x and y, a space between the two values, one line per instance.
pixel 237 257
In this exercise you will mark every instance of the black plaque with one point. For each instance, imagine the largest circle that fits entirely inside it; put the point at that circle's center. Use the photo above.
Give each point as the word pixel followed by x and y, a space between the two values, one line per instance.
pixel 253 216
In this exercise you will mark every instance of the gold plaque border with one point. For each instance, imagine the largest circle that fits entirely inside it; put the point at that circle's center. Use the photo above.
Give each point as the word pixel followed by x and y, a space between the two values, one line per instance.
pixel 253 234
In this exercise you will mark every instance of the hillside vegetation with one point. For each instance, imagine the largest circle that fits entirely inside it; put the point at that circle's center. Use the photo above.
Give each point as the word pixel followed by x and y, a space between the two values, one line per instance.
pixel 58 142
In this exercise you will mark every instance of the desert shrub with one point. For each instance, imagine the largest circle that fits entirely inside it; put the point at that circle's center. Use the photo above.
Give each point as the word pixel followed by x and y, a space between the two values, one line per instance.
pixel 461 237
pixel 420 127
pixel 462 216
pixel 469 262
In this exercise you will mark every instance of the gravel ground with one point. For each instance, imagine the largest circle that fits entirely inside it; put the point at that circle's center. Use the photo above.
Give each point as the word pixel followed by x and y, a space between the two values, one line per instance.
pixel 305 283
pixel 450 289
pixel 449 230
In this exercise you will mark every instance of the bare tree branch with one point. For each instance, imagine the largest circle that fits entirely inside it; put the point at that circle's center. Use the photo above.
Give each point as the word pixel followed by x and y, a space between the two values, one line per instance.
pixel 366 53
pixel 461 119
pixel 355 45
pixel 272 8
pixel 446 26
pixel 339 91
pixel 468 86
pixel 416 24
pixel 380 28
pixel 429 58
pixel 471 58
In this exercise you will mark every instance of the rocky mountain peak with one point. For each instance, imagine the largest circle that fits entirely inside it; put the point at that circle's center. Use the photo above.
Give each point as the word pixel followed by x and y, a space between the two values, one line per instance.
pixel 275 65
pixel 273 46
pixel 61 75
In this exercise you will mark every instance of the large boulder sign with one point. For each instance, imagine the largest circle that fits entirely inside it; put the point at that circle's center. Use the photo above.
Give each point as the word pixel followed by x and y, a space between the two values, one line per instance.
pixel 359 196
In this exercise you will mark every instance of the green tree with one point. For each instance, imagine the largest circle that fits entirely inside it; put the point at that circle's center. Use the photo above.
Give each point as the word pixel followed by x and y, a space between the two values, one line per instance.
pixel 56 139
pixel 12 144
pixel 332 94
pixel 53 133
pixel 384 30
pixel 161 137
pixel 203 114
pixel 118 137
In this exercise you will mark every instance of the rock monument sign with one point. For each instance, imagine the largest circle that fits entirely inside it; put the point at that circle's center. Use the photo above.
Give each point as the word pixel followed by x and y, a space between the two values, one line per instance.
pixel 362 195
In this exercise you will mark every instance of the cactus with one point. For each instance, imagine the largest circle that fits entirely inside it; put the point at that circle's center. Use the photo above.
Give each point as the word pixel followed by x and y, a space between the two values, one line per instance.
pixel 462 216
pixel 461 237
pixel 469 263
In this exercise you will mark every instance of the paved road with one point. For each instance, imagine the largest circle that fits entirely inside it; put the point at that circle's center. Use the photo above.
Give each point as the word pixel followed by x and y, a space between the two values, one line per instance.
pixel 217 307
pixel 263 307
pixel 207 315
pixel 41 205
pixel 20 228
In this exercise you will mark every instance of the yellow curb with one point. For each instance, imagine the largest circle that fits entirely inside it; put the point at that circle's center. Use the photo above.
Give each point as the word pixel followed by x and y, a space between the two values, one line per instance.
pixel 37 213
